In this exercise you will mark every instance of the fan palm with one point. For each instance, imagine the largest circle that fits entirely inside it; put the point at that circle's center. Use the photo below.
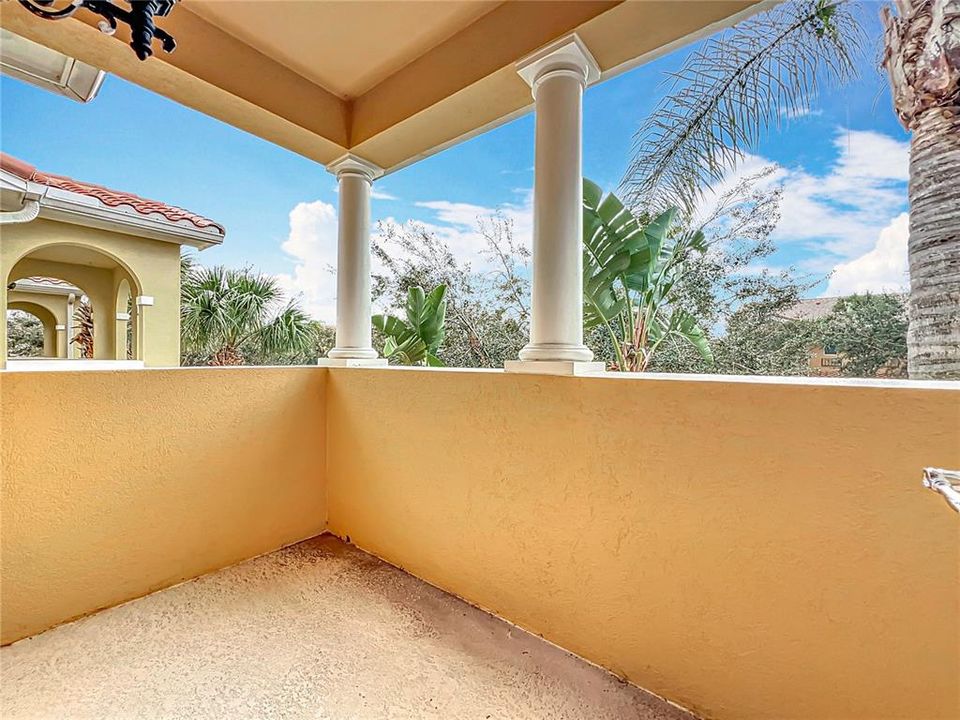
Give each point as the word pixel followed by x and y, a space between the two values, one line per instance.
pixel 228 315
pixel 631 270
pixel 417 339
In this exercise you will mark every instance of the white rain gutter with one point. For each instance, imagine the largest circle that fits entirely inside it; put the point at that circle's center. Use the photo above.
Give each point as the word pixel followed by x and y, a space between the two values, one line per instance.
pixel 29 211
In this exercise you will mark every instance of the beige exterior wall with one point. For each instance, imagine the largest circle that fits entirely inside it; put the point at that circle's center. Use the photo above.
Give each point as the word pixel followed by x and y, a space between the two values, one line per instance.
pixel 116 484
pixel 151 268
pixel 748 550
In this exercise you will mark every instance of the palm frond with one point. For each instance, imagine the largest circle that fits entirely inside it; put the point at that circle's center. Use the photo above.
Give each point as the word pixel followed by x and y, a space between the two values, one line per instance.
pixel 291 331
pixel 731 90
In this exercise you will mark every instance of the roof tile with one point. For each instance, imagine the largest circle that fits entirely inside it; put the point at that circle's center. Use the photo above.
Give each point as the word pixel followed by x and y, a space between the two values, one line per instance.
pixel 112 198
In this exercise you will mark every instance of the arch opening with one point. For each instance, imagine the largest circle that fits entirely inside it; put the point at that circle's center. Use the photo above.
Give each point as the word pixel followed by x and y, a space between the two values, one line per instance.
pixel 91 294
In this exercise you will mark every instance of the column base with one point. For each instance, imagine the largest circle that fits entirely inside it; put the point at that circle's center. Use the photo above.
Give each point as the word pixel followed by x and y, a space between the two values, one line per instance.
pixel 566 352
pixel 352 362
pixel 554 367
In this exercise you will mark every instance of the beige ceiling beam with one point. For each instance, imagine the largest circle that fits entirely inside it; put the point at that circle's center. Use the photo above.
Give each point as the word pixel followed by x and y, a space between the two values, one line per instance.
pixel 461 87
pixel 210 71
pixel 622 35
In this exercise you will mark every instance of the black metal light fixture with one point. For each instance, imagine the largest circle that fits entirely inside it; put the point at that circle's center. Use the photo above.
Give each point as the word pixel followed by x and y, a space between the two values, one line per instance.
pixel 139 17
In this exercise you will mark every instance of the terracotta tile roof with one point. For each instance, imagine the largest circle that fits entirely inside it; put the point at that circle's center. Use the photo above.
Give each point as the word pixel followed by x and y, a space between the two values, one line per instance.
pixel 112 198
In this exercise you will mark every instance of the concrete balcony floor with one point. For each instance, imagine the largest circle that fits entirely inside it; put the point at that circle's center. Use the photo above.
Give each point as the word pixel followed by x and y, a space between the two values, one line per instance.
pixel 318 630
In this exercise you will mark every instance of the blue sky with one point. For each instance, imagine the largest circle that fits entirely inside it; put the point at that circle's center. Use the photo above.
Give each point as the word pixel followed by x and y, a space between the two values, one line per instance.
pixel 842 167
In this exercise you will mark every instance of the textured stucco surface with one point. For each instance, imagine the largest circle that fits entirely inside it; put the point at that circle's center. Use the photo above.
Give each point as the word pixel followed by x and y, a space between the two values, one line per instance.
pixel 317 630
pixel 116 484
pixel 747 549
pixel 150 267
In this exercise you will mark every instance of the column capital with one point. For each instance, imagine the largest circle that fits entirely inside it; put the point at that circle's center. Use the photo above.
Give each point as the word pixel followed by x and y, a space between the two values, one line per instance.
pixel 568 53
pixel 350 164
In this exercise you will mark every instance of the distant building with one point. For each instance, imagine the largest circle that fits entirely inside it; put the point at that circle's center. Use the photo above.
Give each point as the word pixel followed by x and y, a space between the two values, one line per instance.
pixel 68 244
pixel 825 360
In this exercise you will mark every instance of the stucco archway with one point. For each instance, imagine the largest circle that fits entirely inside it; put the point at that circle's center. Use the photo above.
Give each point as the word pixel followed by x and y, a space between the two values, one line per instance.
pixel 47 320
pixel 104 279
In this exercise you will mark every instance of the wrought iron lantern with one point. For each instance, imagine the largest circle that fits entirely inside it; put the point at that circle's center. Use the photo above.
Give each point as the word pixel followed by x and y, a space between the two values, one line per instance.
pixel 139 17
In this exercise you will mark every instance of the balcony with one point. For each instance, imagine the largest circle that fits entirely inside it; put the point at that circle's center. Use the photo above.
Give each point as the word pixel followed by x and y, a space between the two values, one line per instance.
pixel 316 629
pixel 743 548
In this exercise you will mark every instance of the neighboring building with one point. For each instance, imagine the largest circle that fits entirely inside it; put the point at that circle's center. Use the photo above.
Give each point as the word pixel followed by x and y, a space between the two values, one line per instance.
pixel 822 360
pixel 825 360
pixel 64 242
pixel 54 303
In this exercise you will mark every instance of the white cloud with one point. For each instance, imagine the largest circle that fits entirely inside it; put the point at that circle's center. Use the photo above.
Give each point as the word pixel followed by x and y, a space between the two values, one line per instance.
pixel 800 112
pixel 312 243
pixel 836 213
pixel 882 269
pixel 378 194
pixel 841 211
pixel 458 225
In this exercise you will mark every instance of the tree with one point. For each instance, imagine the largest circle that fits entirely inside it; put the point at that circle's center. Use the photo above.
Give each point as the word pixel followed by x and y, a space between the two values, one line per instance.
pixel 233 317
pixel 417 339
pixel 922 56
pixel 631 270
pixel 741 307
pixel 487 316
pixel 869 332
pixel 24 334
pixel 759 340
pixel 730 90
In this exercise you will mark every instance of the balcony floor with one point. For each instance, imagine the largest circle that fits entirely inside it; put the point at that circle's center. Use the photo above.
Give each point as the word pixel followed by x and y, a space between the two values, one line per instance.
pixel 318 630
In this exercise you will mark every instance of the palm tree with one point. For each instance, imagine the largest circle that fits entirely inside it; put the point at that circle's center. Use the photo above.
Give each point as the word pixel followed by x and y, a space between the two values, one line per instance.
pixel 83 317
pixel 730 90
pixel 417 339
pixel 229 316
pixel 922 56
pixel 631 271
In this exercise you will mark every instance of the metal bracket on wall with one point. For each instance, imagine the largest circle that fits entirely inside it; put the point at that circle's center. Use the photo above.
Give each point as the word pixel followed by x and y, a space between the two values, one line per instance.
pixel 944 482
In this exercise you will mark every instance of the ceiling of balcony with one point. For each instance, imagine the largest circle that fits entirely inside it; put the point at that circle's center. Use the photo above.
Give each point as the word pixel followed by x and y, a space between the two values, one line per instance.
pixel 345 47
pixel 390 81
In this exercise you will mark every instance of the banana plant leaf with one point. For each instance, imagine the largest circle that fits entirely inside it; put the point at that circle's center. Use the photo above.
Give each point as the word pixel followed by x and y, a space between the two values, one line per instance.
pixel 416 340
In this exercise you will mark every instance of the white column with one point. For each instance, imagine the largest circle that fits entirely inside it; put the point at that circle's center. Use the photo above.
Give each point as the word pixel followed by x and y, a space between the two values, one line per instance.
pixel 557 75
pixel 354 343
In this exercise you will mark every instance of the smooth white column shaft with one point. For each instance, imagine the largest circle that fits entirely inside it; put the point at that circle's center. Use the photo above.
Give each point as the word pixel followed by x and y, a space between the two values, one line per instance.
pixel 558 75
pixel 353 269
pixel 355 177
pixel 556 322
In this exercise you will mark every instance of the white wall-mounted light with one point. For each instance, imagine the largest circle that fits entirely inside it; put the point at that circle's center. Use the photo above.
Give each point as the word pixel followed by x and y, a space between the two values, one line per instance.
pixel 51 70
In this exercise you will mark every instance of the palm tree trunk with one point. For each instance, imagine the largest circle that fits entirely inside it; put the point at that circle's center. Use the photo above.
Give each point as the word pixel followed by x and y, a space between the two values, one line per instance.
pixel 923 58
pixel 933 339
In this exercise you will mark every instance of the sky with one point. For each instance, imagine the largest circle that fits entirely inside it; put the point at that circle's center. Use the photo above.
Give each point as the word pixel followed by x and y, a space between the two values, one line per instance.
pixel 842 165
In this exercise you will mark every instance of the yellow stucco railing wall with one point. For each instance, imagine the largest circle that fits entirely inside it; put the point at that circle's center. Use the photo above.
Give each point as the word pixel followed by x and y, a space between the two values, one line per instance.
pixel 115 484
pixel 748 550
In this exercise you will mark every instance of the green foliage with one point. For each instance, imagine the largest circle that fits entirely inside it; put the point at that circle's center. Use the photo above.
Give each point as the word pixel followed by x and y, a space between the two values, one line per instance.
pixel 744 309
pixel 731 90
pixel 631 270
pixel 760 341
pixel 24 334
pixel 417 339
pixel 487 314
pixel 869 332
pixel 235 317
